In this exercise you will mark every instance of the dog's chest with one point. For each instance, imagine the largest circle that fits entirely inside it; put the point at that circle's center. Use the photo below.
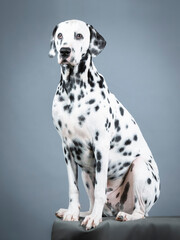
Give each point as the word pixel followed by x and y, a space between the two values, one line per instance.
pixel 71 122
pixel 70 117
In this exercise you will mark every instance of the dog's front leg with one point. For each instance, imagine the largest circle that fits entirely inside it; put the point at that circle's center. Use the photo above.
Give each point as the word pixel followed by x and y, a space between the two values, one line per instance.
pixel 101 152
pixel 73 211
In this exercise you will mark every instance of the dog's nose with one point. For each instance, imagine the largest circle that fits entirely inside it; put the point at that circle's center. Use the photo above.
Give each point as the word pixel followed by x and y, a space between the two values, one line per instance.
pixel 65 52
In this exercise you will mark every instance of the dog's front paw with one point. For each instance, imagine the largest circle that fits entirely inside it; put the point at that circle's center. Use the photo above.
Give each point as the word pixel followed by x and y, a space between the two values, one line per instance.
pixel 60 213
pixel 71 215
pixel 91 221
pixel 68 214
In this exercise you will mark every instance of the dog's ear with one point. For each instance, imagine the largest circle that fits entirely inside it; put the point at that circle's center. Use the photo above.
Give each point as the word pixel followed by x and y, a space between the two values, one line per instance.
pixel 97 42
pixel 52 51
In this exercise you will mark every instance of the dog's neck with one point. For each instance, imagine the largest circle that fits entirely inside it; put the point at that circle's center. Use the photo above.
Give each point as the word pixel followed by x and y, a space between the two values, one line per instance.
pixel 72 76
pixel 83 76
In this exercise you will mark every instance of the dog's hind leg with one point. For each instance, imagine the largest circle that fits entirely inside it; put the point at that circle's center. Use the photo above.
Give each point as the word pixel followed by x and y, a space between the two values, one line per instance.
pixel 141 186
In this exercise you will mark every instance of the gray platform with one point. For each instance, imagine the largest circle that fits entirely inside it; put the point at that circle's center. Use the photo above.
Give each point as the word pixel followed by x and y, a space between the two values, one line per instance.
pixel 159 228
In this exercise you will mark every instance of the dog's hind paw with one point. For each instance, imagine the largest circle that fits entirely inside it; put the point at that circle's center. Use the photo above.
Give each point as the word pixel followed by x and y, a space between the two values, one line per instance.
pixel 123 217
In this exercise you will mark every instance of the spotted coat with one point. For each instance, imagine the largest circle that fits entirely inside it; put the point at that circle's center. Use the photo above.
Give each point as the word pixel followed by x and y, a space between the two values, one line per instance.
pixel 98 134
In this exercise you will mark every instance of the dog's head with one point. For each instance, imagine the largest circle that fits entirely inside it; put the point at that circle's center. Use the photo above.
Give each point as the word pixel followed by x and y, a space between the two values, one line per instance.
pixel 72 40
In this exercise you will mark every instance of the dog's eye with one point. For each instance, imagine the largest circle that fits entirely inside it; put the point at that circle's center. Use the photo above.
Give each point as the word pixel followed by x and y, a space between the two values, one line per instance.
pixel 79 36
pixel 60 36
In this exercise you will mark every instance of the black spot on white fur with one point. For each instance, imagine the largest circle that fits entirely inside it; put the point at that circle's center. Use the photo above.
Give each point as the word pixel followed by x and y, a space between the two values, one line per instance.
pixel 121 111
pixel 98 155
pixel 81 119
pixel 97 135
pixel 127 142
pixel 96 108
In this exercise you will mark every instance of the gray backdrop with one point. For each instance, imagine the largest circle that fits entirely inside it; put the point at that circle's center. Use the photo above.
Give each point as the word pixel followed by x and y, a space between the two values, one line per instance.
pixel 140 65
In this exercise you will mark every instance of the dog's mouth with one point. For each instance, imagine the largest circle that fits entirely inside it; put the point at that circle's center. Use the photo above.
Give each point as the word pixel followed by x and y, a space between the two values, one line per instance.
pixel 64 62
pixel 68 61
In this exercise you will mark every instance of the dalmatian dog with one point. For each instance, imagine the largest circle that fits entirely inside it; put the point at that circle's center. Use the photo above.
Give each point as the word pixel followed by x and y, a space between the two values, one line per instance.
pixel 98 134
